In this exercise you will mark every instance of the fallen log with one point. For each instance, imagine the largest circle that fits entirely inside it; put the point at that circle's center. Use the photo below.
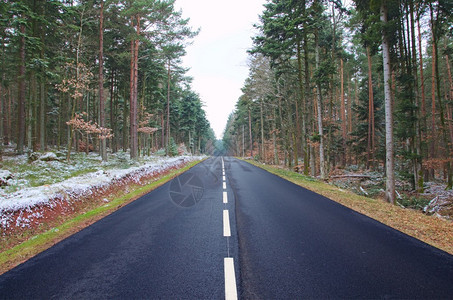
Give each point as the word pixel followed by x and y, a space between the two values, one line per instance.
pixel 355 176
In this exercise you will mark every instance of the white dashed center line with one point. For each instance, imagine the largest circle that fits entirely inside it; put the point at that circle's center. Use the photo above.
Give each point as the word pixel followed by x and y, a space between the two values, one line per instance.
pixel 226 223
pixel 230 276
pixel 230 279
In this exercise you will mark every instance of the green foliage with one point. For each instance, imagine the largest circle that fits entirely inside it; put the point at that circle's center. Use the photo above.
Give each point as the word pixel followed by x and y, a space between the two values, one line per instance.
pixel 58 33
pixel 414 202
pixel 359 135
pixel 172 147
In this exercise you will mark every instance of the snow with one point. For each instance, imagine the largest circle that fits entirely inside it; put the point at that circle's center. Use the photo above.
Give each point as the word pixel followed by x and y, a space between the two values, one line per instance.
pixel 4 175
pixel 49 156
pixel 28 197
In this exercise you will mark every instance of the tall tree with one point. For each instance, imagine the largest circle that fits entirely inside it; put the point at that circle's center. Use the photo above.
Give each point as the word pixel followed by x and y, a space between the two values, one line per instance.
pixel 101 80
pixel 21 91
pixel 389 160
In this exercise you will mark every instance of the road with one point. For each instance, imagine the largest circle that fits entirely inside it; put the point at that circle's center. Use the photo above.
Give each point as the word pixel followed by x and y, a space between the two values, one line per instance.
pixel 245 234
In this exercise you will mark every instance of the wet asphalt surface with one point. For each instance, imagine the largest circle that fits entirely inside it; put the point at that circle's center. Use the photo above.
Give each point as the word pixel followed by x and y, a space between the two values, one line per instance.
pixel 287 243
pixel 296 244
pixel 154 248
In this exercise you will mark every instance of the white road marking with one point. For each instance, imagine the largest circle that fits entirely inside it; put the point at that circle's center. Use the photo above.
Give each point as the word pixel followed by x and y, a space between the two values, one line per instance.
pixel 225 197
pixel 230 279
pixel 230 276
pixel 226 223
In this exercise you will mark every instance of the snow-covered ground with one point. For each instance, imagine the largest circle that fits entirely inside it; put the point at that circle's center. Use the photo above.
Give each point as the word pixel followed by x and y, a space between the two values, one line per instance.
pixel 20 194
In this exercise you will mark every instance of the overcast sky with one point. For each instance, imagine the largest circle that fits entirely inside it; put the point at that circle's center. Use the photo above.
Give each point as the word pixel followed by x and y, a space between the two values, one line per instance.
pixel 218 56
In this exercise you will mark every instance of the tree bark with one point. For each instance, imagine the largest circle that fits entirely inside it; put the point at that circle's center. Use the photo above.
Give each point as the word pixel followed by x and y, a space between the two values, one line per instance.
pixel 370 161
pixel 112 109
pixel 167 140
pixel 250 133
pixel 322 166
pixel 133 91
pixel 263 158
pixel 103 141
pixel 5 114
pixel 21 93
pixel 450 98
pixel 300 137
pixel 343 112
pixel 433 150
pixel 390 180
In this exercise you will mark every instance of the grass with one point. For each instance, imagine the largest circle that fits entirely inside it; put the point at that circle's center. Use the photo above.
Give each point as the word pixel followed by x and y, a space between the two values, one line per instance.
pixel 38 243
pixel 434 231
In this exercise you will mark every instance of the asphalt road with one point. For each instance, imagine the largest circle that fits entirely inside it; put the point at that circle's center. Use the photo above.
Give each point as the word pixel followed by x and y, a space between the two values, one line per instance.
pixel 157 247
pixel 282 242
pixel 295 244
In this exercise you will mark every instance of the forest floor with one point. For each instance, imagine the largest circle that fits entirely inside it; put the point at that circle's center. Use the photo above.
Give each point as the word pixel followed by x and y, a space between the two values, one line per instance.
pixel 44 199
pixel 427 216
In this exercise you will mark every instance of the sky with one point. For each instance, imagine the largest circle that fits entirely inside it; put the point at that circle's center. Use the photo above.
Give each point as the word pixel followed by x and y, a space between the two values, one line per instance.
pixel 218 56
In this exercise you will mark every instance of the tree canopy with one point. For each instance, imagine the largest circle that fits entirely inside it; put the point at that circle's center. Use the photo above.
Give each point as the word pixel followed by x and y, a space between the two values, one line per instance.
pixel 323 94
pixel 49 93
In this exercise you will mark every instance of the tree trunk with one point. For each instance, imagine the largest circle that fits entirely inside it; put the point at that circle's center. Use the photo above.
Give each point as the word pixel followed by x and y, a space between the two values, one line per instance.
pixel 167 140
pixel 21 93
pixel 133 92
pixel 274 137
pixel 2 115
pixel 112 108
pixel 422 79
pixel 300 137
pixel 135 128
pixel 307 107
pixel 322 166
pixel 32 113
pixel 349 107
pixel 343 112
pixel 125 129
pixel 162 126
pixel 370 148
pixel 390 181
pixel 103 141
pixel 5 115
pixel 74 105
pixel 250 133
pixel 450 98
pixel 263 158
pixel 433 150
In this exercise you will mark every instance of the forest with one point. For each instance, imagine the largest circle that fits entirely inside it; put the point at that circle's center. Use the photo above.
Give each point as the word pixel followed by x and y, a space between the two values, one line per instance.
pixel 362 87
pixel 98 75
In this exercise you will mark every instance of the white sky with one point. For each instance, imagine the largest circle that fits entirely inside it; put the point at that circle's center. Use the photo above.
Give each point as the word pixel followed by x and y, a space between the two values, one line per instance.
pixel 218 56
